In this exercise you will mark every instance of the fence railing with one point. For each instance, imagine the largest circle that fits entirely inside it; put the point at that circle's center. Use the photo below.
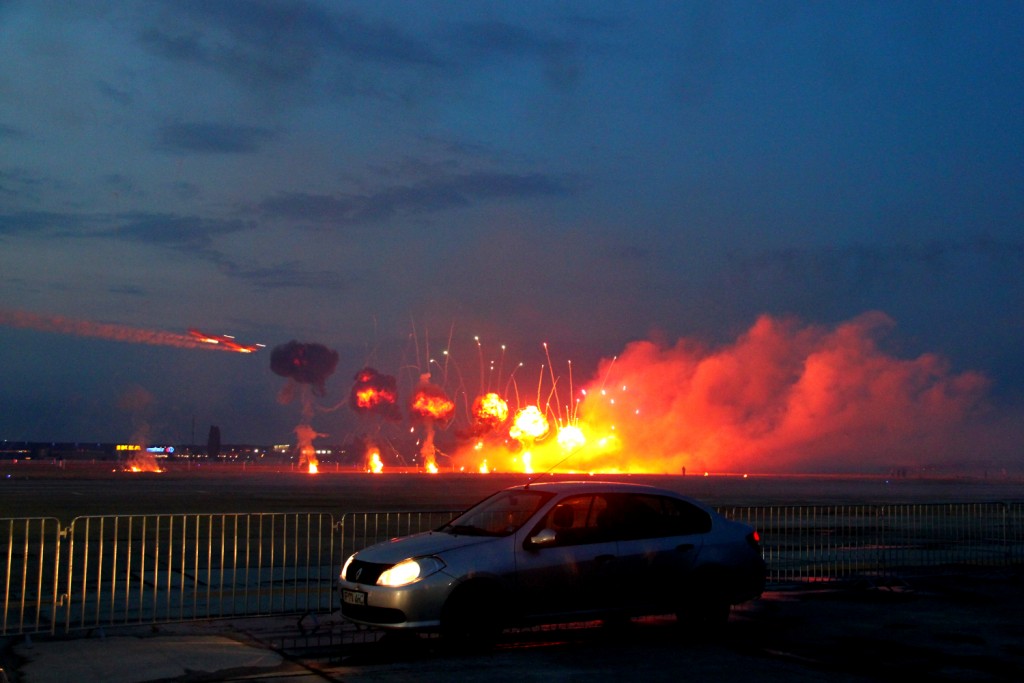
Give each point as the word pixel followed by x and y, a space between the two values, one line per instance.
pixel 31 554
pixel 824 543
pixel 162 568
pixel 140 569
pixel 361 529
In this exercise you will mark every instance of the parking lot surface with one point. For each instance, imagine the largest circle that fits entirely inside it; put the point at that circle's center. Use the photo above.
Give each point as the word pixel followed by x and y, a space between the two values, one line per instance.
pixel 963 627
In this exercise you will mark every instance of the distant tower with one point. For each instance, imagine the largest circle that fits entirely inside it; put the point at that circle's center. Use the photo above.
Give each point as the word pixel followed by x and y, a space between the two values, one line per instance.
pixel 213 442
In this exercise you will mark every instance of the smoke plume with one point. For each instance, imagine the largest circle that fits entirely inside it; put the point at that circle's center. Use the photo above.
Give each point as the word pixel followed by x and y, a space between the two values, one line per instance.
pixel 308 364
pixel 782 397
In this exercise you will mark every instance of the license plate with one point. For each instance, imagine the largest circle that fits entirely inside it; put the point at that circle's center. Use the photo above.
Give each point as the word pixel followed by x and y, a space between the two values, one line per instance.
pixel 353 597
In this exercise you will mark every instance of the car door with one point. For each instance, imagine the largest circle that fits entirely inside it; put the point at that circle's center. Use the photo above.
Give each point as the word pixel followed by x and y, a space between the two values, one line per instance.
pixel 659 539
pixel 572 573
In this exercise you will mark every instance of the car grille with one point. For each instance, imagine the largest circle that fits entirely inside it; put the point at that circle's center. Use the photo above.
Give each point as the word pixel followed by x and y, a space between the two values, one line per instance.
pixel 373 615
pixel 365 573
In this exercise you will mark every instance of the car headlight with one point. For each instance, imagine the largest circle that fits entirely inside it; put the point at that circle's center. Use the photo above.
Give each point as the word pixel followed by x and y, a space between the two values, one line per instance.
pixel 408 571
pixel 344 568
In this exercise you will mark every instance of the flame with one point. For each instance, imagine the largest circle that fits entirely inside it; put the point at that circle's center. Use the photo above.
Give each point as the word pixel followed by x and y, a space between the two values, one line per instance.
pixel 430 406
pixel 529 423
pixel 483 468
pixel 368 398
pixel 431 467
pixel 490 409
pixel 138 468
pixel 571 437
pixel 141 461
pixel 374 463
pixel 307 453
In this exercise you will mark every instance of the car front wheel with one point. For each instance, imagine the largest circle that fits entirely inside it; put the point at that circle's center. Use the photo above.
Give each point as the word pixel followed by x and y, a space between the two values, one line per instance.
pixel 473 616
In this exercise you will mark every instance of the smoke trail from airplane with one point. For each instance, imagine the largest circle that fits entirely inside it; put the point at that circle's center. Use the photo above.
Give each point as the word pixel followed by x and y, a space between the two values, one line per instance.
pixel 109 331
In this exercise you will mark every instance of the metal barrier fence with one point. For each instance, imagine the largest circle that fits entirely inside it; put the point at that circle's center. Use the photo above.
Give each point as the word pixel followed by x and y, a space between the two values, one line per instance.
pixel 140 569
pixel 31 554
pixel 825 543
pixel 362 529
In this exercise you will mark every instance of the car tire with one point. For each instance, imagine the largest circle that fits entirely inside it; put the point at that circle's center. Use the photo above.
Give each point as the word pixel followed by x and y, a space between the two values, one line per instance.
pixel 472 617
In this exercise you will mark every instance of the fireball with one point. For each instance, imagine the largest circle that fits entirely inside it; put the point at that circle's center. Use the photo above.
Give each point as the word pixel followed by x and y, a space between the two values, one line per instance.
pixel 490 409
pixel 431 406
pixel 529 423
pixel 571 437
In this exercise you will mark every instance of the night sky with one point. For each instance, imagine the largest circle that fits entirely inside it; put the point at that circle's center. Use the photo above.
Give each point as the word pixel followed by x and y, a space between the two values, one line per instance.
pixel 796 227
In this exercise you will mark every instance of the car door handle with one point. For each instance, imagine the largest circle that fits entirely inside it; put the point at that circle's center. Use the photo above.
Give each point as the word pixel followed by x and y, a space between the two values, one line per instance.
pixel 604 559
pixel 685 547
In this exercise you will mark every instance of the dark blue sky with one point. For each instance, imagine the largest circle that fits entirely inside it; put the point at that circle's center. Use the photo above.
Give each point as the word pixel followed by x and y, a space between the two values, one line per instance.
pixel 381 176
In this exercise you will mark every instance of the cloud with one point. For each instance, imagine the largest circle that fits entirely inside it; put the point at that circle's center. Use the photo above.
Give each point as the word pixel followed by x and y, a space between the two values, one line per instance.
pixel 41 222
pixel 213 138
pixel 875 261
pixel 424 197
pixel 115 94
pixel 836 278
pixel 182 232
pixel 21 186
pixel 189 234
pixel 288 276
pixel 500 41
pixel 10 132
pixel 276 43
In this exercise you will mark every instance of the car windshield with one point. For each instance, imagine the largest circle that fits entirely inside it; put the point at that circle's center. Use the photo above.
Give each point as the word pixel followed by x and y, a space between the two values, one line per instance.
pixel 500 515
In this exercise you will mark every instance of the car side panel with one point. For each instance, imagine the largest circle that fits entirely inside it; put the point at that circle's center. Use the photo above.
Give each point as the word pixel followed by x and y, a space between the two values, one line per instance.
pixel 562 580
pixel 653 572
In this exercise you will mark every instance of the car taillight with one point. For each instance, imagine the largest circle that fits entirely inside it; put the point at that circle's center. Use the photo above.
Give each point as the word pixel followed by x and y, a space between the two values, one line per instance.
pixel 754 539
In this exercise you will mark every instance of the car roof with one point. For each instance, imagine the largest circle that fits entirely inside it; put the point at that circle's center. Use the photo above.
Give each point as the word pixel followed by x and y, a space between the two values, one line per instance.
pixel 594 486
pixel 581 487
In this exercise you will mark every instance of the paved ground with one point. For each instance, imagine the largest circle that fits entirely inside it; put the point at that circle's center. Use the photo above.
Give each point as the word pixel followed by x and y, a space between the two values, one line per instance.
pixel 935 628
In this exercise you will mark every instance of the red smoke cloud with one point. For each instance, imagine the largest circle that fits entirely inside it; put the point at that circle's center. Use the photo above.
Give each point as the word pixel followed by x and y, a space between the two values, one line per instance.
pixel 783 397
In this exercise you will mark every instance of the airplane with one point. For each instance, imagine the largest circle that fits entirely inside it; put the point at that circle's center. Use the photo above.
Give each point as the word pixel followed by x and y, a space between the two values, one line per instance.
pixel 225 340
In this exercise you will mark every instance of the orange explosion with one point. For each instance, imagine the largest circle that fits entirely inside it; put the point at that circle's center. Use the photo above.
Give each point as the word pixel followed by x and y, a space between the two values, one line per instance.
pixel 783 397
pixel 490 410
pixel 431 406
pixel 428 406
pixel 529 423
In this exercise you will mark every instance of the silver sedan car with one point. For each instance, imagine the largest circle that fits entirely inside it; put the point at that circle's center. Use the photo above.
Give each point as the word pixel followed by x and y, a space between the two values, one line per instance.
pixel 550 552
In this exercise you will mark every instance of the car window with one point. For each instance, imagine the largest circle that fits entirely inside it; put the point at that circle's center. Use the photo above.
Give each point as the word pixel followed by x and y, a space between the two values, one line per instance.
pixel 500 515
pixel 574 520
pixel 650 516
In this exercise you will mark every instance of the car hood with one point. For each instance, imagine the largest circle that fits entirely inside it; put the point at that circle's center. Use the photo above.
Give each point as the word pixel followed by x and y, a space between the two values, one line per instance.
pixel 418 545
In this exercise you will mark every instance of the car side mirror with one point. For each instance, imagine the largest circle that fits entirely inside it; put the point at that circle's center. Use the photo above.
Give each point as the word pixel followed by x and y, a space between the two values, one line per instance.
pixel 541 539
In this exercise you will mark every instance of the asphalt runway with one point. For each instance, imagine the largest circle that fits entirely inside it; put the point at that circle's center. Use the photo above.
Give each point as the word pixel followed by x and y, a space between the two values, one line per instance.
pixel 69 490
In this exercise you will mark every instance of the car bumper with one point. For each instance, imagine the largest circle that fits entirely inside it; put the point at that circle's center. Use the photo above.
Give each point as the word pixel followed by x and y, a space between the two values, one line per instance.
pixel 414 607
